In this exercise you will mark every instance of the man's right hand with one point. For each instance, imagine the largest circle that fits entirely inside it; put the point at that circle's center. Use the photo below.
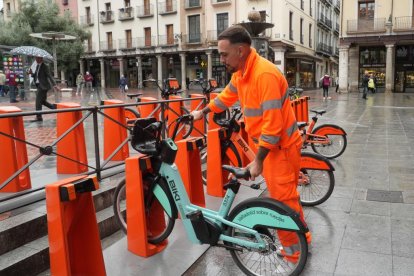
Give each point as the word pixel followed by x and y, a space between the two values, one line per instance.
pixel 197 114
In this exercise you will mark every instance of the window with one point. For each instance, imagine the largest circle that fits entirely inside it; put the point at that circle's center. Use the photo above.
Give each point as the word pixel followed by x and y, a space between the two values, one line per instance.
pixel 310 7
pixel 147 32
pixel 301 30
pixel 107 6
pixel 290 25
pixel 366 10
pixel 128 36
pixel 109 39
pixel 310 35
pixel 302 4
pixel 170 34
pixel 222 22
pixel 88 15
pixel 127 3
pixel 147 7
pixel 194 3
pixel 194 29
pixel 168 6
pixel 90 45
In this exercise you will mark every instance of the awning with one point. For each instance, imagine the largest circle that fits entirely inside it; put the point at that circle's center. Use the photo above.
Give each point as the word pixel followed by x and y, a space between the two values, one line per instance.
pixel 298 54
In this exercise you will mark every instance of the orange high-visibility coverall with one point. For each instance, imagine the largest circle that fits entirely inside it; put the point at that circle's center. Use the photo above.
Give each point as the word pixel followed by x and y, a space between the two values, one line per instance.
pixel 270 123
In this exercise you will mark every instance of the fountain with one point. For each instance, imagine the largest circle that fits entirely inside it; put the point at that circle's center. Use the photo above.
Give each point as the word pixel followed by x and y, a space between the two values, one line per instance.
pixel 255 27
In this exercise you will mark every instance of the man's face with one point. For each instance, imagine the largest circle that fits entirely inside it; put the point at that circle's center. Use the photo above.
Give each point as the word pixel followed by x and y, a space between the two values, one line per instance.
pixel 39 59
pixel 230 55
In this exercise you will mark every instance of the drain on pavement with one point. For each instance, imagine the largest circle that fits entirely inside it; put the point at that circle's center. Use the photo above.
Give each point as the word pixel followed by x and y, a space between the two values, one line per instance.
pixel 384 196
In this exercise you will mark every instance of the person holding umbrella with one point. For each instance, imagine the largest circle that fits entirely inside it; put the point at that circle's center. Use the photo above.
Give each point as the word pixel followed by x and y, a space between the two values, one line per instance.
pixel 44 82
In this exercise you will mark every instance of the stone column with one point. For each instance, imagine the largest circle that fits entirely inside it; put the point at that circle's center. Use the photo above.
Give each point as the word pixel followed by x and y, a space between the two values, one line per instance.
pixel 82 66
pixel 121 67
pixel 280 59
pixel 209 65
pixel 102 61
pixel 389 68
pixel 343 68
pixel 159 67
pixel 183 71
pixel 139 65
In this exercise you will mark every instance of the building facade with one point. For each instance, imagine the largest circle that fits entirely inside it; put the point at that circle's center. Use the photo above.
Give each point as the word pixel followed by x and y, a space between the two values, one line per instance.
pixel 377 37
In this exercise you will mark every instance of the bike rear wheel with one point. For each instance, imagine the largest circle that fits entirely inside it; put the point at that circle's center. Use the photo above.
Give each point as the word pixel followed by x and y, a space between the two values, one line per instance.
pixel 335 147
pixel 268 261
pixel 119 206
pixel 315 186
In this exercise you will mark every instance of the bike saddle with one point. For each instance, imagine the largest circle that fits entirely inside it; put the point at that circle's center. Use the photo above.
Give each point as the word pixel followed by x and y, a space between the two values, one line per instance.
pixel 301 124
pixel 134 95
pixel 237 172
pixel 319 112
pixel 145 135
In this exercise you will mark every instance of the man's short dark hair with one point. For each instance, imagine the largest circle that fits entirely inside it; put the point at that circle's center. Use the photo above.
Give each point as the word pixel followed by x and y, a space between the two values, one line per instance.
pixel 236 34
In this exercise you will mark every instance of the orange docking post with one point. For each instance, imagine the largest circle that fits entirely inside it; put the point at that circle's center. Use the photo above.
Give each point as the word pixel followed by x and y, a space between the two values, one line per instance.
pixel 140 223
pixel 73 145
pixel 14 152
pixel 74 243
pixel 211 123
pixel 199 126
pixel 147 110
pixel 216 177
pixel 173 112
pixel 115 134
pixel 189 165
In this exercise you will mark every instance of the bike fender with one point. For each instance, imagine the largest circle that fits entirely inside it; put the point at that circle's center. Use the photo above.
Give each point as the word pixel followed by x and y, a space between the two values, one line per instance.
pixel 268 212
pixel 164 197
pixel 309 160
pixel 329 129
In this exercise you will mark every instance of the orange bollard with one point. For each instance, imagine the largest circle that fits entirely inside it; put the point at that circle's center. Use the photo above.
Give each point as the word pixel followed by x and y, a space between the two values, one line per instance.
pixel 73 144
pixel 14 153
pixel 136 215
pixel 216 177
pixel 211 123
pixel 299 110
pixel 189 165
pixel 74 243
pixel 147 110
pixel 174 111
pixel 115 134
pixel 305 108
pixel 199 126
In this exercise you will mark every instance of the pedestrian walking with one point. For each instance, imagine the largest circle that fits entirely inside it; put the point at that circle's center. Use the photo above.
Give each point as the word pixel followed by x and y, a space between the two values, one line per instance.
pixel 336 84
pixel 2 83
pixel 365 80
pixel 12 84
pixel 326 82
pixel 372 83
pixel 123 84
pixel 79 83
pixel 44 81
pixel 88 80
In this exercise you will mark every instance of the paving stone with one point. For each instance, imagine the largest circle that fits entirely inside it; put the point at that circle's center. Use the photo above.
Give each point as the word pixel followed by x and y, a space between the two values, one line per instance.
pixel 373 264
pixel 402 266
pixel 367 240
pixel 371 207
pixel 384 196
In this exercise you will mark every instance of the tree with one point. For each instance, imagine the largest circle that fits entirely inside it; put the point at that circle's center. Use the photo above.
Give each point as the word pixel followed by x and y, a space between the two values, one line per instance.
pixel 43 16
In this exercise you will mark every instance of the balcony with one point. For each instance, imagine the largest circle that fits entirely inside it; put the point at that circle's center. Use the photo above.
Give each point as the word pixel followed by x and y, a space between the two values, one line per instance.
pixel 404 24
pixel 336 53
pixel 169 7
pixel 86 20
pixel 337 6
pixel 376 25
pixel 107 17
pixel 89 48
pixel 220 2
pixel 127 44
pixel 193 38
pixel 146 42
pixel 324 49
pixel 212 36
pixel 126 13
pixel 336 30
pixel 324 22
pixel 167 41
pixel 145 11
pixel 192 4
pixel 107 46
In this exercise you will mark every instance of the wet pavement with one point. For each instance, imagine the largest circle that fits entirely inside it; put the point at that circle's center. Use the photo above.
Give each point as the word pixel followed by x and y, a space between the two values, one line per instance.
pixel 362 229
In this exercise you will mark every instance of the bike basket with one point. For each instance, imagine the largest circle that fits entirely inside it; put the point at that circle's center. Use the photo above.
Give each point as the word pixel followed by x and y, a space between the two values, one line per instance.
pixel 145 135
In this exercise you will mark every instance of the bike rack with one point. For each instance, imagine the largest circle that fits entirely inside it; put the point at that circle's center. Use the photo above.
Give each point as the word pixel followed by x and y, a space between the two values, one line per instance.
pixel 211 123
pixel 199 126
pixel 13 152
pixel 74 243
pixel 174 111
pixel 136 216
pixel 189 165
pixel 216 176
pixel 114 133
pixel 245 160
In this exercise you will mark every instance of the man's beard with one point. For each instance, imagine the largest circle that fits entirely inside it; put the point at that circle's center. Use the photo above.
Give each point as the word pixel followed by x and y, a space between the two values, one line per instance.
pixel 230 69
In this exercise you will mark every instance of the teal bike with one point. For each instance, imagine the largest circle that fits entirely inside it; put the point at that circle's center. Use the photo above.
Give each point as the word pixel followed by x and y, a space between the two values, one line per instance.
pixel 250 230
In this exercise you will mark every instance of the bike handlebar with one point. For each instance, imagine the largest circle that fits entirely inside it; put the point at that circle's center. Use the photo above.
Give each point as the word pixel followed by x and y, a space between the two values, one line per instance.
pixel 237 172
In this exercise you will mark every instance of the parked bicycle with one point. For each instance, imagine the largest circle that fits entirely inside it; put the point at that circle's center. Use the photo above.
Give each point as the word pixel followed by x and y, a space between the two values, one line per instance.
pixel 170 87
pixel 316 178
pixel 295 92
pixel 328 140
pixel 249 231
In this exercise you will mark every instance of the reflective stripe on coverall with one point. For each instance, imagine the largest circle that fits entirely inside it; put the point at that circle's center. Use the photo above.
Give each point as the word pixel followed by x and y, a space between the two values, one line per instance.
pixel 270 121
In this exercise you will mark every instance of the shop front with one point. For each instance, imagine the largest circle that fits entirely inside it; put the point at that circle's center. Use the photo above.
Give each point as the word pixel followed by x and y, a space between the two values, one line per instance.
pixel 404 69
pixel 372 61
pixel 300 72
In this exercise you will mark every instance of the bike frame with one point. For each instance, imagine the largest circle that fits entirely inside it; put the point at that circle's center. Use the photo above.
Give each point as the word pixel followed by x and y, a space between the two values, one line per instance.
pixel 171 174
pixel 320 137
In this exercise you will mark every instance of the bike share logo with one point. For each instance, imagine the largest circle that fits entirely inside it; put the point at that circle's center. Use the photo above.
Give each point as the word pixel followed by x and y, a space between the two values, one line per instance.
pixel 243 145
pixel 174 190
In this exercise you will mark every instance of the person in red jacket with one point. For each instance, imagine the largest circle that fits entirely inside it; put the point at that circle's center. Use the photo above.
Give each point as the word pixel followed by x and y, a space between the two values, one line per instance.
pixel 269 120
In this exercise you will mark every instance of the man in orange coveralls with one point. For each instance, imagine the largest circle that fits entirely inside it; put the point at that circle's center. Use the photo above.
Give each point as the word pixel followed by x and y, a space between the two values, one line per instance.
pixel 269 118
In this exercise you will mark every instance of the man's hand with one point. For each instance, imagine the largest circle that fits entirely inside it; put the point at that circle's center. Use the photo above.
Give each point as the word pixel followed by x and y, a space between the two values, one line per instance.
pixel 255 168
pixel 197 114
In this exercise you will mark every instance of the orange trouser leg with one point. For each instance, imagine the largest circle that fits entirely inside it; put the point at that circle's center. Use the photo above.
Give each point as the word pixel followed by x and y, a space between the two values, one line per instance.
pixel 281 171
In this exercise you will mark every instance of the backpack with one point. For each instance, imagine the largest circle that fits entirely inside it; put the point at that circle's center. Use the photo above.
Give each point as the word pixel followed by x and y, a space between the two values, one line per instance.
pixel 371 83
pixel 326 81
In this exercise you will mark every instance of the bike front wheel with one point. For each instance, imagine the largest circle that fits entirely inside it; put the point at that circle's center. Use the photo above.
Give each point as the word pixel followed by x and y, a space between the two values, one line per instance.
pixel 272 260
pixel 315 186
pixel 330 146
pixel 153 207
